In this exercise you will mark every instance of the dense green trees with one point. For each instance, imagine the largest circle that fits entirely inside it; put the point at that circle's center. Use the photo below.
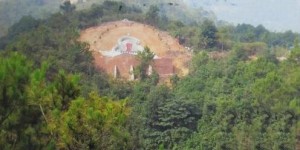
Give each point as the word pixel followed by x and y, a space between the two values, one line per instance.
pixel 58 100
pixel 244 105
pixel 11 11
pixel 92 123
pixel 67 7
pixel 221 105
pixel 159 118
pixel 41 108
pixel 145 57
pixel 208 34
pixel 40 113
pixel 249 33
pixel 227 103
pixel 152 16
pixel 14 76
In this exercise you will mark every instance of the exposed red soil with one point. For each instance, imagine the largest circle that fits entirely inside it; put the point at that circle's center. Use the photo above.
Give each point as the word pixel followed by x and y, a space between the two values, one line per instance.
pixel 173 56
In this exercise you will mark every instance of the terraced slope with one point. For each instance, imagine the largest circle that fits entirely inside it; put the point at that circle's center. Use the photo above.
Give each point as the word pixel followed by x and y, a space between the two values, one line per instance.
pixel 104 38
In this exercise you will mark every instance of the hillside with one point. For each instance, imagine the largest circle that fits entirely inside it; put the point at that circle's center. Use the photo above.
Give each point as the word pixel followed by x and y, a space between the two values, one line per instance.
pixel 104 38
pixel 56 89
pixel 12 11
pixel 172 9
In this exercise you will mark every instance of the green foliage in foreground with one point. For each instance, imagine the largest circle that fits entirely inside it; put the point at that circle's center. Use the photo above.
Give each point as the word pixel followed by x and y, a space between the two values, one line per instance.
pixel 244 104
pixel 145 58
pixel 40 113
pixel 53 102
pixel 229 103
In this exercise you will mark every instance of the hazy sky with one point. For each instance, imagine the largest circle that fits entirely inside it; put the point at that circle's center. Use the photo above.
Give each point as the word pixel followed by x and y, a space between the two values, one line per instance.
pixel 276 15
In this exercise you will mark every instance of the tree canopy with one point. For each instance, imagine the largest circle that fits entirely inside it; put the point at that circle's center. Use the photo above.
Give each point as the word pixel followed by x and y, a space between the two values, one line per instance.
pixel 53 97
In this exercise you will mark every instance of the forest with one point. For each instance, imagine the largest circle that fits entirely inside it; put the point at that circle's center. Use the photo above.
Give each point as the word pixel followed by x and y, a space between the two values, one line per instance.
pixel 53 97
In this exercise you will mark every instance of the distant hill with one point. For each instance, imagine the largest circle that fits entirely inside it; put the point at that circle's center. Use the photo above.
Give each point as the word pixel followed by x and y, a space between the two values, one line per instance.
pixel 12 10
pixel 173 9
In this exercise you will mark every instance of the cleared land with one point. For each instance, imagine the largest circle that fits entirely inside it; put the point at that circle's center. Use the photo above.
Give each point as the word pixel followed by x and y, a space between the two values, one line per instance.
pixel 104 37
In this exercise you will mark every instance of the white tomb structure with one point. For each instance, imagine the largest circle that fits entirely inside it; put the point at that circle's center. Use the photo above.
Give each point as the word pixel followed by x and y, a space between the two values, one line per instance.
pixel 126 44
pixel 131 71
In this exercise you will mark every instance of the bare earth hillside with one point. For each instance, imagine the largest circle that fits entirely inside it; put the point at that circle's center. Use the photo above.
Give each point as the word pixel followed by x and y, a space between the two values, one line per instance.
pixel 104 37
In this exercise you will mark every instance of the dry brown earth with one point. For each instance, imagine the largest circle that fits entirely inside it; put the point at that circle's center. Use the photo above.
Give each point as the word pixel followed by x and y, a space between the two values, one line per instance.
pixel 105 36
